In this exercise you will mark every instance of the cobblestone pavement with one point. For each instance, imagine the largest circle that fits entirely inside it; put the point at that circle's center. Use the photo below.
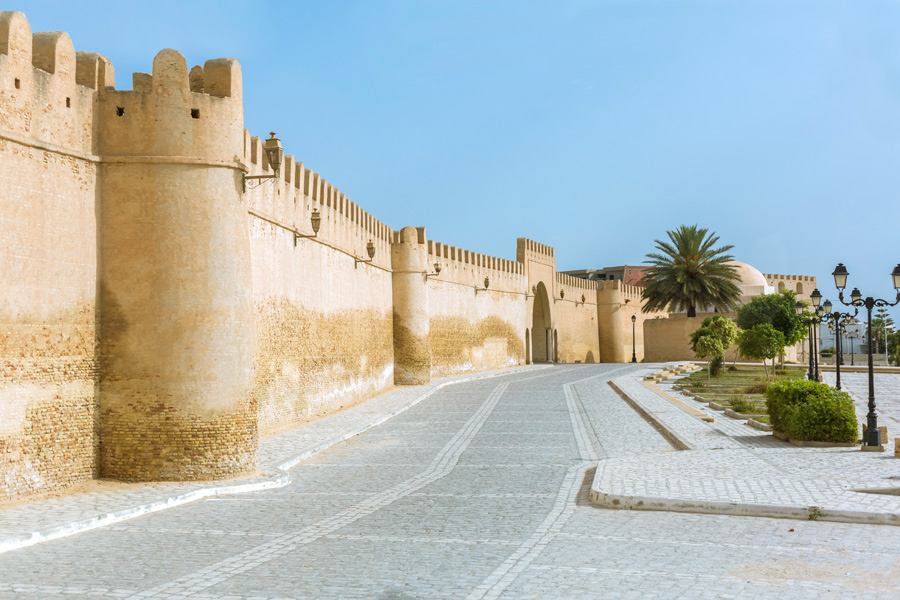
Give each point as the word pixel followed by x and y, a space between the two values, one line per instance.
pixel 887 397
pixel 735 469
pixel 479 491
pixel 54 518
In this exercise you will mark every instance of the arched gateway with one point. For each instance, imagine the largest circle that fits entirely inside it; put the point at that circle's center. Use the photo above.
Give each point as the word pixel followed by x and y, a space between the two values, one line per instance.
pixel 541 326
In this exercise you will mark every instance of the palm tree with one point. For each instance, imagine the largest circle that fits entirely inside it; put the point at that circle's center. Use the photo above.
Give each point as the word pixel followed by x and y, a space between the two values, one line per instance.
pixel 689 273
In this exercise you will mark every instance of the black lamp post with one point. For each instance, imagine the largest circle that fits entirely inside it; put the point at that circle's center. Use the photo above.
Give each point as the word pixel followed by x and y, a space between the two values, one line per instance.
pixel 873 437
pixel 850 337
pixel 837 324
pixel 811 323
pixel 633 353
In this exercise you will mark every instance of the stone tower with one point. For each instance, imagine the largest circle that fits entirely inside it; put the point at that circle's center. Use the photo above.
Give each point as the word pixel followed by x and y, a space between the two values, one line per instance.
pixel 176 343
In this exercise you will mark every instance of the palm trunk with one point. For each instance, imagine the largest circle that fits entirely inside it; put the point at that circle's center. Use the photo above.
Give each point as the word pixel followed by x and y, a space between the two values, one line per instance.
pixel 692 311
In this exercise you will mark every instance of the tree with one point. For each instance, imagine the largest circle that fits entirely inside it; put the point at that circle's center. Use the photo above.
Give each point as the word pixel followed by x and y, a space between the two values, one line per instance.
pixel 777 310
pixel 689 272
pixel 894 347
pixel 762 342
pixel 721 329
pixel 709 347
pixel 882 324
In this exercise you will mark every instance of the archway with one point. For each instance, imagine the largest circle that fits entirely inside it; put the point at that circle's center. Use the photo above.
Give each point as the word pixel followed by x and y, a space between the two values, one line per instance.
pixel 541 322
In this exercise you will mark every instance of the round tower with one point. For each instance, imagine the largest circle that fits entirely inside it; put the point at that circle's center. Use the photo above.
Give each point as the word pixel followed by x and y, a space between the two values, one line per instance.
pixel 412 348
pixel 611 321
pixel 176 330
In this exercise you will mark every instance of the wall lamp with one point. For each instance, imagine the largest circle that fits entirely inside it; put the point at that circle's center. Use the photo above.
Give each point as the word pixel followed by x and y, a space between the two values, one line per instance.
pixel 370 250
pixel 487 284
pixel 274 155
pixel 315 220
pixel 437 270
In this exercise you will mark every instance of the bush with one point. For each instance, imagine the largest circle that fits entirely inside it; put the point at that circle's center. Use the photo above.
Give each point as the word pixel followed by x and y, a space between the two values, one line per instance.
pixel 811 411
pixel 827 352
pixel 745 408
pixel 715 365
pixel 757 387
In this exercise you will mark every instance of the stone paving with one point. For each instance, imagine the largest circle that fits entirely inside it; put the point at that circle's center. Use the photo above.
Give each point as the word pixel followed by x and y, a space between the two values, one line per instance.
pixel 51 519
pixel 887 397
pixel 478 491
pixel 735 469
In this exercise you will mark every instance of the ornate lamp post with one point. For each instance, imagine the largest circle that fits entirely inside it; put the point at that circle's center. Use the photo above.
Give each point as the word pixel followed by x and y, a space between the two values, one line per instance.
pixel 811 323
pixel 851 335
pixel 799 307
pixel 633 353
pixel 873 438
pixel 837 324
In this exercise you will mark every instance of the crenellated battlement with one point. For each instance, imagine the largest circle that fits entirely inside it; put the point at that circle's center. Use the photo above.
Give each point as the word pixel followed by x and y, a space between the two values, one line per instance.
pixel 174 112
pixel 47 90
pixel 470 268
pixel 770 277
pixel 632 293
pixel 576 282
pixel 297 191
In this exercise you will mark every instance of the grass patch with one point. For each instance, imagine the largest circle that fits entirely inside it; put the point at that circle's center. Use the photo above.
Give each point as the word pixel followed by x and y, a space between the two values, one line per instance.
pixel 742 388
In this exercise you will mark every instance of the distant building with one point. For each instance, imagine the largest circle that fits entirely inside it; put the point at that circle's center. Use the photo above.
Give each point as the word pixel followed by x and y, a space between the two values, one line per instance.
pixel 629 274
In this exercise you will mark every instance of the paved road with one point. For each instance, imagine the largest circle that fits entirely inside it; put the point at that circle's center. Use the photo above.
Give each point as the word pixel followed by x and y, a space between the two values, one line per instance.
pixel 478 492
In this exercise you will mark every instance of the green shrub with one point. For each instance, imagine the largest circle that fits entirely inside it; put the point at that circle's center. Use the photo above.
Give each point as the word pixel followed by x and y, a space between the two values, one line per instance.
pixel 827 352
pixel 811 411
pixel 757 387
pixel 742 406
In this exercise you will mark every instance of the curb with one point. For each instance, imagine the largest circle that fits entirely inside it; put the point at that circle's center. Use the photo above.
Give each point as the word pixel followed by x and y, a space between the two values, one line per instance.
pixel 811 513
pixel 673 439
pixel 274 481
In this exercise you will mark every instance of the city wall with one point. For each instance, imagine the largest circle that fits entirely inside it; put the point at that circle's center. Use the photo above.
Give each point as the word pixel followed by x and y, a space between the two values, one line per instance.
pixel 48 262
pixel 160 312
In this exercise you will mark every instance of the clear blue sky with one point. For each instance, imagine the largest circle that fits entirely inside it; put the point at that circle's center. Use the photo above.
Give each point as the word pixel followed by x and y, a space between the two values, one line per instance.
pixel 592 126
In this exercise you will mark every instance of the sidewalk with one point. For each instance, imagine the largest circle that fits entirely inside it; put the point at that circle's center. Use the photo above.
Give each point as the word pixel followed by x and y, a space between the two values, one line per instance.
pixel 731 468
pixel 44 520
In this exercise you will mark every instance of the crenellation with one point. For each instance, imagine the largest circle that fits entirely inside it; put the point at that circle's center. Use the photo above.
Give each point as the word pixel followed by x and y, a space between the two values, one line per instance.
pixel 142 82
pixel 53 52
pixel 288 168
pixel 94 71
pixel 255 150
pixel 195 79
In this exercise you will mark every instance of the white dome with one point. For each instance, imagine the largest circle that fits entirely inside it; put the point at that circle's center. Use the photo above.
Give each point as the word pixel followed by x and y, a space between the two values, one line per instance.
pixel 750 277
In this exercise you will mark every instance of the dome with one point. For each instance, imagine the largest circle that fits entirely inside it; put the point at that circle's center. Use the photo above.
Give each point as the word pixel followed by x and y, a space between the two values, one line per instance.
pixel 749 276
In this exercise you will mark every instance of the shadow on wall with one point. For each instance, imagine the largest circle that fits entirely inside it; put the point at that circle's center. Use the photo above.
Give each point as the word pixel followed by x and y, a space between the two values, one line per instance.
pixel 589 357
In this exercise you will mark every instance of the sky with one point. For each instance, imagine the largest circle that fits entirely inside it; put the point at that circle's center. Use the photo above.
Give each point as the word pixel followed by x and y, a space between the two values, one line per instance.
pixel 592 126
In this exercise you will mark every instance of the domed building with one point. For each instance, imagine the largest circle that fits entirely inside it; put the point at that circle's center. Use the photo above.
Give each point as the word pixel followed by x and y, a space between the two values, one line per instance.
pixel 668 338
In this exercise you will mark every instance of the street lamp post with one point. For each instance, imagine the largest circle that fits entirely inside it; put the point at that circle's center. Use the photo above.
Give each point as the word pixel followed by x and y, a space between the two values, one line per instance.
pixel 851 335
pixel 811 323
pixel 837 322
pixel 633 352
pixel 873 437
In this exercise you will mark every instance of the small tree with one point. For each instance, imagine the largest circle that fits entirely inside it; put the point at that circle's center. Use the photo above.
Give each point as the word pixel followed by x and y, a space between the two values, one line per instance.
pixel 762 342
pixel 777 310
pixel 720 328
pixel 709 347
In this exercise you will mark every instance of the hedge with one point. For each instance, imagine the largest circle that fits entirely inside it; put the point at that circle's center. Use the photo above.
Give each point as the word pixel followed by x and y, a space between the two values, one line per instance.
pixel 811 411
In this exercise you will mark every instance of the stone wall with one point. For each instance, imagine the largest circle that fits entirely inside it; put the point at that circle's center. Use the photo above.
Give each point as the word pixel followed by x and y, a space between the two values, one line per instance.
pixel 323 320
pixel 670 338
pixel 474 327
pixel 578 337
pixel 48 263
